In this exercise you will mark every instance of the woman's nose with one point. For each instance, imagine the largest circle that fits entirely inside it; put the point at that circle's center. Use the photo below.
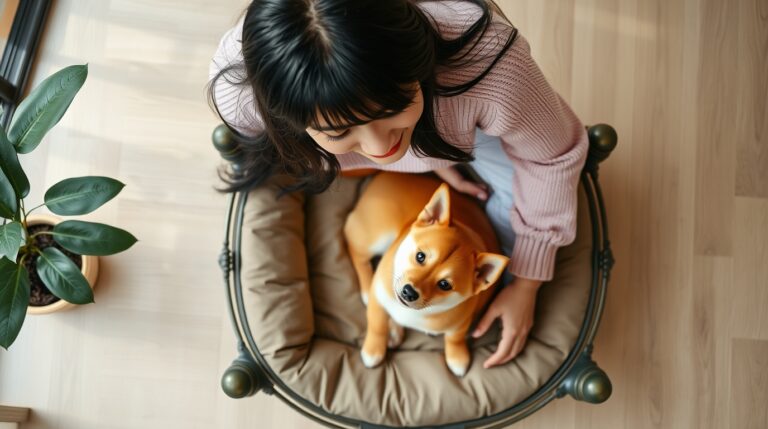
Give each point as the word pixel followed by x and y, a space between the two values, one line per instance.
pixel 376 140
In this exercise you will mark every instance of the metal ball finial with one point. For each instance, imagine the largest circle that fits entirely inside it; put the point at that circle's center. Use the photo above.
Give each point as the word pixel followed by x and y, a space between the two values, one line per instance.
pixel 586 381
pixel 594 387
pixel 602 141
pixel 224 141
pixel 239 380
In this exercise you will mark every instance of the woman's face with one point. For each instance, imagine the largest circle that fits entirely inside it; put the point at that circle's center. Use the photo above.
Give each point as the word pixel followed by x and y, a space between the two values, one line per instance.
pixel 383 141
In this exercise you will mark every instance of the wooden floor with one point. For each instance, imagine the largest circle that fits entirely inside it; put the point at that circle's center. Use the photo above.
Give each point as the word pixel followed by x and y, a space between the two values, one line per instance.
pixel 685 331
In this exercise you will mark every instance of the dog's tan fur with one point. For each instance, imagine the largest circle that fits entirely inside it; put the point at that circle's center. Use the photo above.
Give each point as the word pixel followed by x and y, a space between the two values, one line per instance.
pixel 410 214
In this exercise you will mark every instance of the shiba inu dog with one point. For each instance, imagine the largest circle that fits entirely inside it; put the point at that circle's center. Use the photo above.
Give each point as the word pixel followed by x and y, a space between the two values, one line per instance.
pixel 438 263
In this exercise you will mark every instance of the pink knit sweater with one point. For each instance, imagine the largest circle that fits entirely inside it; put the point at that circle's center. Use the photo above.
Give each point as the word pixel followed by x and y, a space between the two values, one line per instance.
pixel 542 136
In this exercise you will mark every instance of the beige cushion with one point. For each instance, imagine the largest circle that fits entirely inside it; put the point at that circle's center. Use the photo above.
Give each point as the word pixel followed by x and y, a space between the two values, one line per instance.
pixel 307 319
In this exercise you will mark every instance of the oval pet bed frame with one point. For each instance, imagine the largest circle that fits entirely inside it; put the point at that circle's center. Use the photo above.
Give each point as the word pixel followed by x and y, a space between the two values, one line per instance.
pixel 299 321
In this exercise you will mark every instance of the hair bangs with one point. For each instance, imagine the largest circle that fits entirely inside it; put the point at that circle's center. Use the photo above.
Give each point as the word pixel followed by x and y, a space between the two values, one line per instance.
pixel 340 92
pixel 339 105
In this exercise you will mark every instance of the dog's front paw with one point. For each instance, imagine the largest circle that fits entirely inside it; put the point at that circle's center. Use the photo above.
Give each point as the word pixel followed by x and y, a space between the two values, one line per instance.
pixel 457 355
pixel 371 361
pixel 374 349
pixel 458 367
pixel 396 335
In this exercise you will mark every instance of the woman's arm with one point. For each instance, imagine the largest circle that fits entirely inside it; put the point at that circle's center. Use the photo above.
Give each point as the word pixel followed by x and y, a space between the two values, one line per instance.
pixel 548 146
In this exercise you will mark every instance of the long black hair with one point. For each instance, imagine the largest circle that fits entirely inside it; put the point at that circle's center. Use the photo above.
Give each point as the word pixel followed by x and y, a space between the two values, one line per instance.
pixel 351 60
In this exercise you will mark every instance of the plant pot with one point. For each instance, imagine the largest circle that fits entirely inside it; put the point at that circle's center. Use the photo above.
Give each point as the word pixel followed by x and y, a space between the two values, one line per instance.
pixel 89 268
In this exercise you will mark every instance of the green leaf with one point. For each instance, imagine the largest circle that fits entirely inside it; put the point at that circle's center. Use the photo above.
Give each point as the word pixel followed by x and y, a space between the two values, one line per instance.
pixel 81 195
pixel 62 277
pixel 14 298
pixel 11 240
pixel 44 107
pixel 87 238
pixel 9 163
pixel 9 204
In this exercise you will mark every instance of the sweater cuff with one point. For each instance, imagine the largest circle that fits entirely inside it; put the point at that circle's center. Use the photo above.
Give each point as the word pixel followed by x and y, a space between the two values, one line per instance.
pixel 533 259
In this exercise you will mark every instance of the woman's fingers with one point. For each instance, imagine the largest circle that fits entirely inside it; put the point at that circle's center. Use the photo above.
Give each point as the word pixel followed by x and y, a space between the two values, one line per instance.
pixel 508 349
pixel 473 189
pixel 484 323
pixel 498 357
pixel 506 352
pixel 451 176
pixel 517 347
pixel 468 187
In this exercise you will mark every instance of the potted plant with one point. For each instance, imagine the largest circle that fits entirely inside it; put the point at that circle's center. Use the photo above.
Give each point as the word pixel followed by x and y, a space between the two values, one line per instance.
pixel 42 258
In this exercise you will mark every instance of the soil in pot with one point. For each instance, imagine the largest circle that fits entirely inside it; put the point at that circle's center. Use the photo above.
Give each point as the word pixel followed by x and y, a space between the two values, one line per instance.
pixel 39 294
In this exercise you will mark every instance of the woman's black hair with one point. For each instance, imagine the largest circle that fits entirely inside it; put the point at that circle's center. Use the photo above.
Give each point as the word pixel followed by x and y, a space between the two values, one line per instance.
pixel 351 60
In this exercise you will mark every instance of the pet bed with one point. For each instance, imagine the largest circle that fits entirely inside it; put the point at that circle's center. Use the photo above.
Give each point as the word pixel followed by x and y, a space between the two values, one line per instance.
pixel 299 320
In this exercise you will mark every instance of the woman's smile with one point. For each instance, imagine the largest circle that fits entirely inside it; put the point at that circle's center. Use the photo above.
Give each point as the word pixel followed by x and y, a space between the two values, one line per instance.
pixel 392 151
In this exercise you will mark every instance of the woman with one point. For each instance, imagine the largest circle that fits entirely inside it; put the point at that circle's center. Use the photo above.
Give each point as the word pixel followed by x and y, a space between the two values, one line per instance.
pixel 317 87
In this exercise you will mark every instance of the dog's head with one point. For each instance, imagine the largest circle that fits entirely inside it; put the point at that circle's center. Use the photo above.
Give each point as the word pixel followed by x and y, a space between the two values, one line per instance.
pixel 436 267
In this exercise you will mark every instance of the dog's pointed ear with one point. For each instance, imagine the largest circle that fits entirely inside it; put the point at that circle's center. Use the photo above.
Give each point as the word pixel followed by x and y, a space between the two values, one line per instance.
pixel 438 209
pixel 488 268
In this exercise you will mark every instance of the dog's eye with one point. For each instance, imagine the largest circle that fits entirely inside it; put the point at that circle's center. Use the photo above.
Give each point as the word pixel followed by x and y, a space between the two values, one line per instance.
pixel 444 285
pixel 420 257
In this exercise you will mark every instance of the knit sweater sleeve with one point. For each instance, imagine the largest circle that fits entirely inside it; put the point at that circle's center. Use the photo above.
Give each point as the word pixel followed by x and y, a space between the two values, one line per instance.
pixel 547 145
pixel 232 96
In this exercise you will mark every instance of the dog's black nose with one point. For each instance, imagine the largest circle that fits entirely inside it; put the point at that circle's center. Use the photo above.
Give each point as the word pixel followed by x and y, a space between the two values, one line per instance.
pixel 409 293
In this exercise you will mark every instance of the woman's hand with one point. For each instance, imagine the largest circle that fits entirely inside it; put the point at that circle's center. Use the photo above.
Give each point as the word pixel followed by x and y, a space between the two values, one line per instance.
pixel 451 176
pixel 514 305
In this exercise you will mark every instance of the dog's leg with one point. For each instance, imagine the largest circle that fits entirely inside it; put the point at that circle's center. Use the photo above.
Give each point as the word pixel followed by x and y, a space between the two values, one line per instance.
pixel 456 352
pixel 361 261
pixel 358 241
pixel 396 334
pixel 376 335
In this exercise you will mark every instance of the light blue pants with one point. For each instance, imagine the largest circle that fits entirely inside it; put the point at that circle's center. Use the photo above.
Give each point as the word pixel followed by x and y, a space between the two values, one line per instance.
pixel 494 166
